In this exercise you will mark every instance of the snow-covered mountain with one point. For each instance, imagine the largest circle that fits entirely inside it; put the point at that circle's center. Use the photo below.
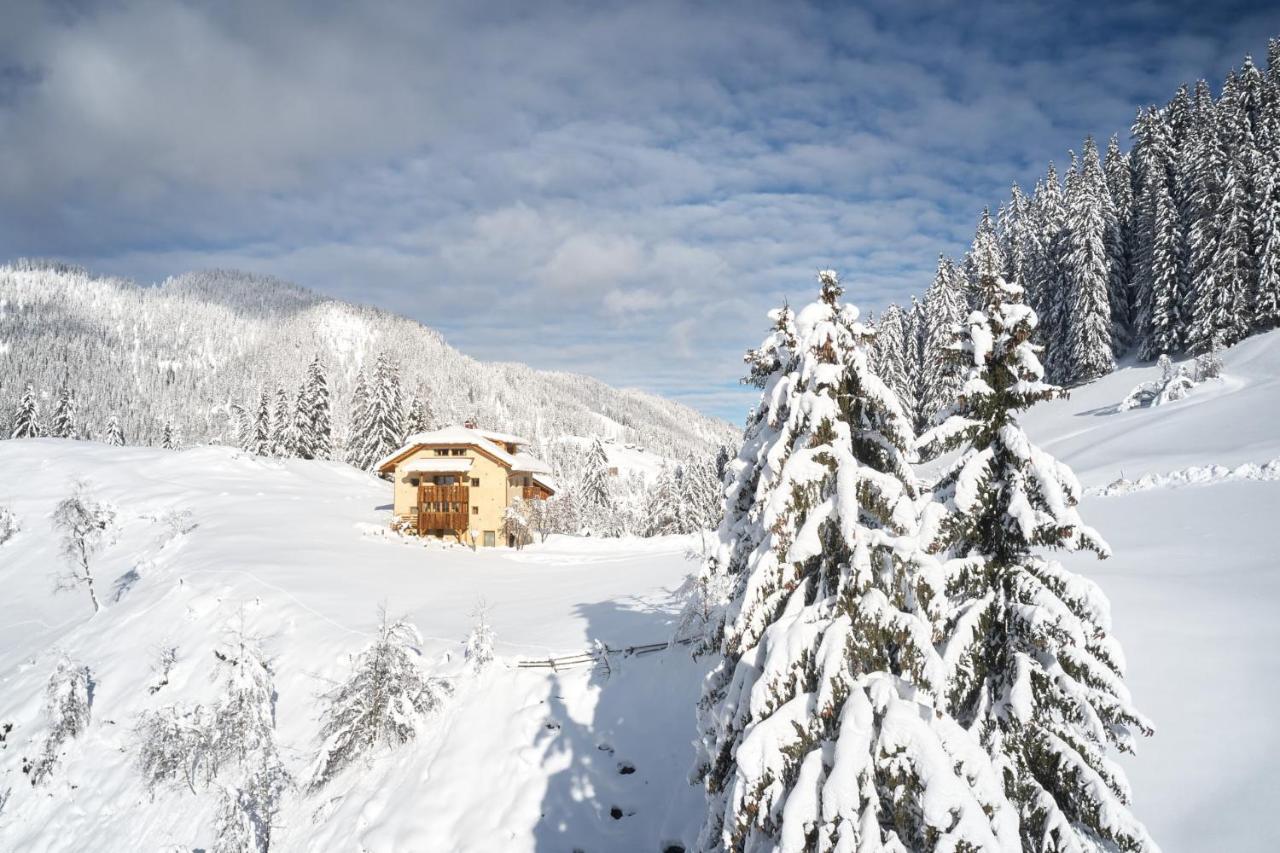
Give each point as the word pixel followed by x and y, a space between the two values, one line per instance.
pixel 187 350
pixel 522 759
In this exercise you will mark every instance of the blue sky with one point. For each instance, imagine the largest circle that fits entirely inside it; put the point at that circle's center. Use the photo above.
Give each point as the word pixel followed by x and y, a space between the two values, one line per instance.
pixel 618 189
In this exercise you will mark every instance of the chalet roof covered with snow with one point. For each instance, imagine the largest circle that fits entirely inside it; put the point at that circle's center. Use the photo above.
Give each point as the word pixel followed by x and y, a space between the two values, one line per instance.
pixel 487 441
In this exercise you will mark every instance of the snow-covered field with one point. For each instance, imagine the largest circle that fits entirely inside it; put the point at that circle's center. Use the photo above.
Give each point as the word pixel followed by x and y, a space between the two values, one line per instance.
pixel 535 759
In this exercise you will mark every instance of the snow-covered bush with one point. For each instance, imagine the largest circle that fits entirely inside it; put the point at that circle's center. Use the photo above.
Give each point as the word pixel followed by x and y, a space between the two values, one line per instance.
pixel 1174 384
pixel 68 703
pixel 8 524
pixel 477 648
pixel 515 523
pixel 382 702
pixel 232 742
pixel 174 746
pixel 87 526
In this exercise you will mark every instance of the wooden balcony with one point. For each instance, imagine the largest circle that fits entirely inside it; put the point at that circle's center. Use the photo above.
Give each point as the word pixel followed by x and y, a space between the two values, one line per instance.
pixel 443 508
pixel 531 493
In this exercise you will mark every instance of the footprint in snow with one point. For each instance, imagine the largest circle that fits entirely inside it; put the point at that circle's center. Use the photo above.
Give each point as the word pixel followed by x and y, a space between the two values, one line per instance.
pixel 626 768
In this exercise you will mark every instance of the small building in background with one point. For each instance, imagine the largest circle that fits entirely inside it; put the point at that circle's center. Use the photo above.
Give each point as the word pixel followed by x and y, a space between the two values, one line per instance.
pixel 457 483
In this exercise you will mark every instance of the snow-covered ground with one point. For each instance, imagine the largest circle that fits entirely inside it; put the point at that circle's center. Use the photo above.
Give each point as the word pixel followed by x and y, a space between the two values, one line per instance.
pixel 521 759
pixel 535 759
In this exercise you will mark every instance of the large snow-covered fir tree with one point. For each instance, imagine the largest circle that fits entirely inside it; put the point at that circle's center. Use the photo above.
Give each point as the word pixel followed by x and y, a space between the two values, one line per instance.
pixel 1087 273
pixel 819 724
pixel 1029 664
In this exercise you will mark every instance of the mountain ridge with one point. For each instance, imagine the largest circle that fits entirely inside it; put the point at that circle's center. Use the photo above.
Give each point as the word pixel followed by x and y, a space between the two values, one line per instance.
pixel 192 348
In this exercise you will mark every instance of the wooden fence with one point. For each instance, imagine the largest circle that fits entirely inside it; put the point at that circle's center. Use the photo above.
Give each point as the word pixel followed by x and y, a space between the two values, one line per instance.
pixel 593 656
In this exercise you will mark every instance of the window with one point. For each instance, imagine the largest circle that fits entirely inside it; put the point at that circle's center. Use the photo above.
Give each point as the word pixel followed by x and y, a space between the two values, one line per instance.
pixel 458 451
pixel 475 510
pixel 413 481
pixel 526 481
pixel 442 451
pixel 475 481
pixel 490 539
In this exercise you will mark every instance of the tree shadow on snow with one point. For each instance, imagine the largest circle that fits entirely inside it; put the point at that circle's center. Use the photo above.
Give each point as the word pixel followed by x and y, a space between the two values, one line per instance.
pixel 623 786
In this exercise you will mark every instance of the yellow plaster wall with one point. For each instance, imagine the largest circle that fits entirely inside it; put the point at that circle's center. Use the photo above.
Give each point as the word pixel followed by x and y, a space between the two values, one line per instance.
pixel 490 497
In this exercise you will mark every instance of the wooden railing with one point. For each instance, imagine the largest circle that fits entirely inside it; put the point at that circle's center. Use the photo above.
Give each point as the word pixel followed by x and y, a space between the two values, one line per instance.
pixel 443 508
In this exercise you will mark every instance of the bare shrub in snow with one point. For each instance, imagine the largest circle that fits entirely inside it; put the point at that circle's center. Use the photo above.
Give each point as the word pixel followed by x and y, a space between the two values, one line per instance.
pixel 704 597
pixel 87 526
pixel 68 702
pixel 382 702
pixel 8 524
pixel 477 648
pixel 166 658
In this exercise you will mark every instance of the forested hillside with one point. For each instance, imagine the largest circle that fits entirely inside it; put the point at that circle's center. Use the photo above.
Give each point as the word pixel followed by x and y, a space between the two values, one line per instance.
pixel 229 358
pixel 1171 247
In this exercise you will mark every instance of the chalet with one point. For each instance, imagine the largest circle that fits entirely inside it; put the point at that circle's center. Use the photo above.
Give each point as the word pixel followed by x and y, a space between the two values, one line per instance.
pixel 458 482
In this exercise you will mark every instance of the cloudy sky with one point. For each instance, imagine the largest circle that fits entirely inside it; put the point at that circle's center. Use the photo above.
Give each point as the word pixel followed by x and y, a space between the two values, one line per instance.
pixel 616 189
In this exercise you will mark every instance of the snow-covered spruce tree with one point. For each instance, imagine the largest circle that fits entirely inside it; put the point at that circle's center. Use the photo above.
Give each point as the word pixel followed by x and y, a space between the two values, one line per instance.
pixel 1118 212
pixel 596 505
pixel 477 648
pixel 312 424
pixel 662 505
pixel 418 417
pixel 700 497
pixel 168 439
pixel 377 426
pixel 381 703
pixel 87 526
pixel 945 304
pixel 68 703
pixel 819 728
pixel 260 439
pixel 891 354
pixel 1030 666
pixel 26 421
pixel 115 434
pixel 1087 273
pixel 1267 240
pixel 63 424
pixel 280 436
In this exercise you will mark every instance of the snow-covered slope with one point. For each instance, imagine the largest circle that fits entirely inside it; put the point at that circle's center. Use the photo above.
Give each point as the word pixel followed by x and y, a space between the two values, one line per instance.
pixel 521 759
pixel 532 759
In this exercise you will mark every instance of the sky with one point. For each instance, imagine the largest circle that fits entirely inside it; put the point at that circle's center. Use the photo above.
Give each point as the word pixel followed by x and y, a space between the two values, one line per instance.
pixel 617 189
